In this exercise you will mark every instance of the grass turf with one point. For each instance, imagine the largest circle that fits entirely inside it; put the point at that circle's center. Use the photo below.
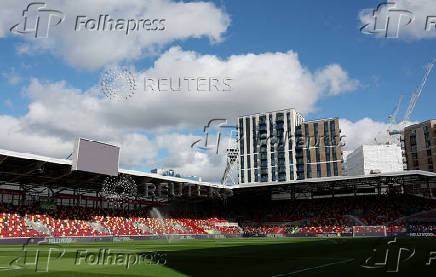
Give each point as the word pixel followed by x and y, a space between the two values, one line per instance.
pixel 225 257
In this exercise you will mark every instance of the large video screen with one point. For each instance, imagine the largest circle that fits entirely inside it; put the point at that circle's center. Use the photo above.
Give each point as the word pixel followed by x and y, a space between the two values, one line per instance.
pixel 96 157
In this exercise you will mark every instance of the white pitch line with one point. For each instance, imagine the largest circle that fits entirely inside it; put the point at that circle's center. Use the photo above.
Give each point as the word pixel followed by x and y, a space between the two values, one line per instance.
pixel 312 268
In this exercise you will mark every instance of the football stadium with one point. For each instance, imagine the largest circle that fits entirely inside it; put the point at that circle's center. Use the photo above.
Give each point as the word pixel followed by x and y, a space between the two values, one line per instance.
pixel 71 217
pixel 217 138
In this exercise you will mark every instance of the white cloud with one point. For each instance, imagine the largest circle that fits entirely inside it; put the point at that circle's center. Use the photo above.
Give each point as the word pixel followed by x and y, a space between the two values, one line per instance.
pixel 14 136
pixel 136 149
pixel 93 49
pixel 58 113
pixel 185 160
pixel 335 80
pixel 420 10
pixel 363 131
pixel 262 82
pixel 366 131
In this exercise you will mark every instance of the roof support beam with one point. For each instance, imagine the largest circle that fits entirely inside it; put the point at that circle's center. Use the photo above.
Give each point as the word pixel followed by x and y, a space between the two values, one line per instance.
pixel 3 159
pixel 37 165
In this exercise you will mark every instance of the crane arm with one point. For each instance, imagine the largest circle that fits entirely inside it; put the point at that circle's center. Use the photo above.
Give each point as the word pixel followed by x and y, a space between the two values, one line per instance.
pixel 417 93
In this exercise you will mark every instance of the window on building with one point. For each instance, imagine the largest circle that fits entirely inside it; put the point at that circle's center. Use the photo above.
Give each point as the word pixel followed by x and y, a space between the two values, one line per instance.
pixel 247 126
pixel 412 140
pixel 332 126
pixel 241 136
pixel 329 170
pixel 307 135
pixel 254 135
pixel 335 168
pixel 327 153
pixel 309 171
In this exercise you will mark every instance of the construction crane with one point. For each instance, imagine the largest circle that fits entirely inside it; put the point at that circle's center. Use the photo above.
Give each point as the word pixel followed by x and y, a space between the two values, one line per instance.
pixel 380 138
pixel 414 99
pixel 393 115
pixel 394 140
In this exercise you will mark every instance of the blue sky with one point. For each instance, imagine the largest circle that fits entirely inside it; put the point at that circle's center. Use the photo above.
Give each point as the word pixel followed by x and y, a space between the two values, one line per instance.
pixel 320 32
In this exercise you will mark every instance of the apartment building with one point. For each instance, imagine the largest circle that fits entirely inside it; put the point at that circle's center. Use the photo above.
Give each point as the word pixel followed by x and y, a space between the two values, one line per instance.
pixel 280 146
pixel 420 146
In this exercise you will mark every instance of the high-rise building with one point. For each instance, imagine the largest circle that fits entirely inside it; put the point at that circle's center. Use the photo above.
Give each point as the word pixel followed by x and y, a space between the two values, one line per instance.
pixel 281 146
pixel 420 146
pixel 320 142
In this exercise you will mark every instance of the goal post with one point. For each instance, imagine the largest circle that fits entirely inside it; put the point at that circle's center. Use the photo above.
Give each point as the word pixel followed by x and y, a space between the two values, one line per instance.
pixel 370 231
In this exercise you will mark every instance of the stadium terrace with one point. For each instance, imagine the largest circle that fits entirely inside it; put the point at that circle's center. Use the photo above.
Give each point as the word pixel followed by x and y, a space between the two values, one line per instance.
pixel 52 200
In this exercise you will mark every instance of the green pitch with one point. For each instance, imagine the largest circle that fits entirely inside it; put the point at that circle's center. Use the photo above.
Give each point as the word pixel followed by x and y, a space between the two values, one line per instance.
pixel 226 257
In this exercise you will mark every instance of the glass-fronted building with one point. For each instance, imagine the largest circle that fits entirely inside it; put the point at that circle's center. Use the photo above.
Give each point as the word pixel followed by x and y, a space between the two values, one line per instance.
pixel 281 146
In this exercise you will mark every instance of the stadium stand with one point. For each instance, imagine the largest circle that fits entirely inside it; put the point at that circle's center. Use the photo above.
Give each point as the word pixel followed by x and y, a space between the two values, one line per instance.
pixel 301 217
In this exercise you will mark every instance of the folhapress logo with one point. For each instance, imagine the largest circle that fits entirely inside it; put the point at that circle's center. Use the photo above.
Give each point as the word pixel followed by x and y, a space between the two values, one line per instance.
pixel 388 20
pixel 37 20
pixel 392 257
pixel 104 23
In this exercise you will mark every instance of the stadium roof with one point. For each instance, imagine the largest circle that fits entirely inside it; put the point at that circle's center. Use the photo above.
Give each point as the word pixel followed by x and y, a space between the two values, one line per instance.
pixel 39 171
pixel 416 182
pixel 341 178
pixel 30 169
